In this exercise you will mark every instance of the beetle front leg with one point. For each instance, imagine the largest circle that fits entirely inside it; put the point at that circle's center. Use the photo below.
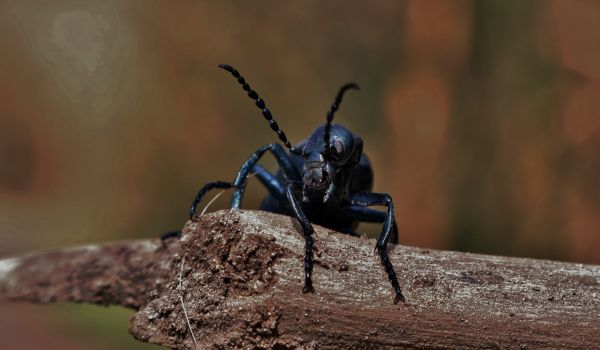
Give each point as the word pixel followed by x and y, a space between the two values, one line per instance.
pixel 283 159
pixel 369 199
pixel 308 231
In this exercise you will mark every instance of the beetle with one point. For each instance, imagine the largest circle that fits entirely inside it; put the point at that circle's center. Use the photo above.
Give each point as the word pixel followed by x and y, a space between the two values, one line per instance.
pixel 325 179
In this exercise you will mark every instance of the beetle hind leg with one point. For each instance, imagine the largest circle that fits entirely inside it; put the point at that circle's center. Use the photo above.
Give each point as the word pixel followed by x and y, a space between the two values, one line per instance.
pixel 170 234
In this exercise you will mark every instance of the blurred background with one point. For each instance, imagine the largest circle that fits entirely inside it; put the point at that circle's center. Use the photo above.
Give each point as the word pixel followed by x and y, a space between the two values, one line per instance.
pixel 481 118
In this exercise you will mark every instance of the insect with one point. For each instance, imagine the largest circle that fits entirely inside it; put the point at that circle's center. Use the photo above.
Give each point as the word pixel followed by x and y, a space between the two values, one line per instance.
pixel 325 179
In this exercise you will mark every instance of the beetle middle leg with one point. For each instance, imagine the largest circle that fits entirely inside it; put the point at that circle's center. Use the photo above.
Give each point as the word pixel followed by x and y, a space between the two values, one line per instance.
pixel 271 182
pixel 365 214
pixel 367 199
pixel 283 159
pixel 308 231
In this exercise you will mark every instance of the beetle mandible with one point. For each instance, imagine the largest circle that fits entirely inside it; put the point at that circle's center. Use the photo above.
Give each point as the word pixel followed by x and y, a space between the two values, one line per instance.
pixel 325 179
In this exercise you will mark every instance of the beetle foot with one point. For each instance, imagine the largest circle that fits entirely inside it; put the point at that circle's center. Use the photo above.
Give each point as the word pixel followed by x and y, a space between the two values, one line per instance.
pixel 308 288
pixel 168 235
pixel 399 297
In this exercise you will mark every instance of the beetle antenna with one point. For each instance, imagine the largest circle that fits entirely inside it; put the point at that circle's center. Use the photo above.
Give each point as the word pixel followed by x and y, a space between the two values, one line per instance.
pixel 334 108
pixel 260 103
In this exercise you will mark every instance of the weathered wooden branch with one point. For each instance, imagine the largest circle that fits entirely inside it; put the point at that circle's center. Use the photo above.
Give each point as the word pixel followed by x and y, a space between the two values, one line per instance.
pixel 235 279
pixel 127 273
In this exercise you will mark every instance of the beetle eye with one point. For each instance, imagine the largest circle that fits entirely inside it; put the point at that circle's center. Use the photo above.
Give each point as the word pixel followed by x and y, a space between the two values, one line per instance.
pixel 337 149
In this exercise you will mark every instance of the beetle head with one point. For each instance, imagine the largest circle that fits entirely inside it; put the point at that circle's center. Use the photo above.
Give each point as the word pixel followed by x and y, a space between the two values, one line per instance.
pixel 323 164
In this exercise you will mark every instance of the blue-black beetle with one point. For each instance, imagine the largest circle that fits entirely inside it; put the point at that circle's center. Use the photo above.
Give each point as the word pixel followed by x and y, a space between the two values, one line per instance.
pixel 325 180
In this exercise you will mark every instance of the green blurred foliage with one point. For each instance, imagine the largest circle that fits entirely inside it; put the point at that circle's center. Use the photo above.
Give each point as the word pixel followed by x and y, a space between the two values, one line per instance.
pixel 105 327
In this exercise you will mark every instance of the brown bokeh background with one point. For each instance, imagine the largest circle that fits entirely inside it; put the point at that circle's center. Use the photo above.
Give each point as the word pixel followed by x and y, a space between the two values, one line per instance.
pixel 481 118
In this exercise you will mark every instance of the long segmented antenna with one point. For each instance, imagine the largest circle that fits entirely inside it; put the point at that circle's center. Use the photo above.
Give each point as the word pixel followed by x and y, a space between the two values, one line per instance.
pixel 334 108
pixel 260 103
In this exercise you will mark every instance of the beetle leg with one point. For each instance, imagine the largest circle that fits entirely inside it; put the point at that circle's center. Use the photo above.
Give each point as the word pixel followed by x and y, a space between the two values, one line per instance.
pixel 283 159
pixel 364 214
pixel 168 235
pixel 209 186
pixel 366 199
pixel 271 182
pixel 308 231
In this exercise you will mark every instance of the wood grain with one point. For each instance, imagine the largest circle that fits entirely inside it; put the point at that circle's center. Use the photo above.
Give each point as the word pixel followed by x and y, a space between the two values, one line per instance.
pixel 241 281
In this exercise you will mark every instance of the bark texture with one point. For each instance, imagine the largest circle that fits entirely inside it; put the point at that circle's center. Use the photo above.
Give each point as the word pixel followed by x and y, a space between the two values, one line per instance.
pixel 234 280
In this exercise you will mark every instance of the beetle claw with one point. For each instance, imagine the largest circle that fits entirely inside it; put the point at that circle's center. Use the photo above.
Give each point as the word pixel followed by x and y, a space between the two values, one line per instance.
pixel 399 297
pixel 308 288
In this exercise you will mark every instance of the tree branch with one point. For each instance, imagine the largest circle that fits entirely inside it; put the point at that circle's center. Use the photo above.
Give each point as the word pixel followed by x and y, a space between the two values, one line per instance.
pixel 241 287
pixel 124 273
